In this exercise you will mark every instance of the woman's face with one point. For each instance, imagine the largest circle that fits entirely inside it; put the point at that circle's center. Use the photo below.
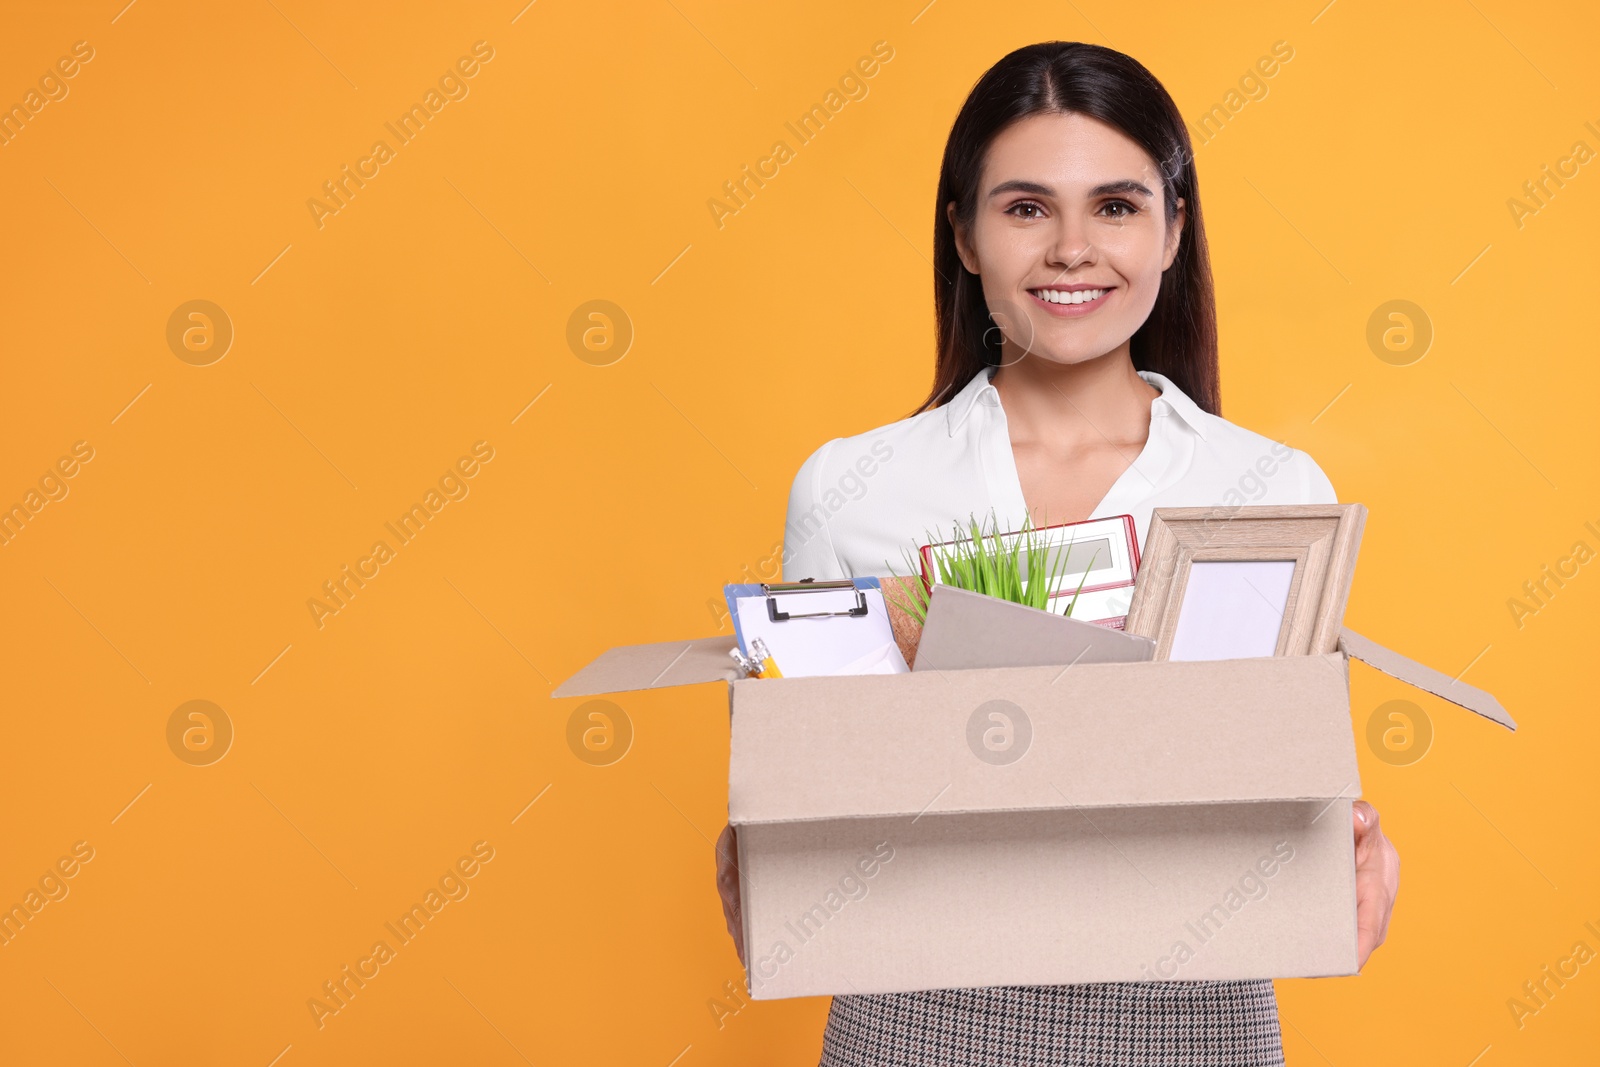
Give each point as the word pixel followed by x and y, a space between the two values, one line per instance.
pixel 1068 209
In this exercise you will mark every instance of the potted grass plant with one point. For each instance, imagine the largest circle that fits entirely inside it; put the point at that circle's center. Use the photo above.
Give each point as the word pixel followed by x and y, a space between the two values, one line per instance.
pixel 984 562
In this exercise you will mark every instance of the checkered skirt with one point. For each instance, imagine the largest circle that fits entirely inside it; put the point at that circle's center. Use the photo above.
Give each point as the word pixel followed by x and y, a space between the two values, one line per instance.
pixel 1114 1024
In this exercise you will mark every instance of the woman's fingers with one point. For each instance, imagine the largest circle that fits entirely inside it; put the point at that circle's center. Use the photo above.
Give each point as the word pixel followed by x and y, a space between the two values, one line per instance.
pixel 727 849
pixel 1377 880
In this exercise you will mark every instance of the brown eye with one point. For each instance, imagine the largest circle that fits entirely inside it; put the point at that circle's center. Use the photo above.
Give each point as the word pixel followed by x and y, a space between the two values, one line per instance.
pixel 1128 212
pixel 1025 205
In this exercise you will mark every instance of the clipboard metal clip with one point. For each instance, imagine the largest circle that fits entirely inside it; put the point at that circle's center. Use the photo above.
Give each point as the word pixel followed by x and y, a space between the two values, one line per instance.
pixel 774 590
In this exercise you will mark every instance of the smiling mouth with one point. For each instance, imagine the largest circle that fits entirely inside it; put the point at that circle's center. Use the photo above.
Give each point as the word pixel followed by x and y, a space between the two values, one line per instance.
pixel 1068 298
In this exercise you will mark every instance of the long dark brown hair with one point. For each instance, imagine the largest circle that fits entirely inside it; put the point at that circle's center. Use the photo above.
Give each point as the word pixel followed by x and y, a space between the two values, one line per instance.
pixel 1179 339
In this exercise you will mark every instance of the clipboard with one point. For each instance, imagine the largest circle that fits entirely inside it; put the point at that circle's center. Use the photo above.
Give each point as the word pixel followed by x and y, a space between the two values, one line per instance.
pixel 817 628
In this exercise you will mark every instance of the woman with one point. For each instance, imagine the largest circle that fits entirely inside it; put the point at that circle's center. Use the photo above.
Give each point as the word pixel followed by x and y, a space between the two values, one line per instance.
pixel 1076 378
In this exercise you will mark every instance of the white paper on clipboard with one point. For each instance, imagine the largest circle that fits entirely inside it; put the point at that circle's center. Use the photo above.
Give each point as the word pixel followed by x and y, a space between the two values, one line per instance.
pixel 831 644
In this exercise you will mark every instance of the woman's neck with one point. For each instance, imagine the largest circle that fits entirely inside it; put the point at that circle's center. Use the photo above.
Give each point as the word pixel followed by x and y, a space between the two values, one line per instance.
pixel 1067 406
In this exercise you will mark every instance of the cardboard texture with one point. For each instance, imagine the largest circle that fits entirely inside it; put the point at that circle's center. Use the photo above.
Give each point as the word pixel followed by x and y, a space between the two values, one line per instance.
pixel 1080 813
pixel 967 629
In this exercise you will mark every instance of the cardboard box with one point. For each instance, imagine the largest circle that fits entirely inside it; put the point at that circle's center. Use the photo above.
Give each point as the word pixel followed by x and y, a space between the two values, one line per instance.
pixel 1080 814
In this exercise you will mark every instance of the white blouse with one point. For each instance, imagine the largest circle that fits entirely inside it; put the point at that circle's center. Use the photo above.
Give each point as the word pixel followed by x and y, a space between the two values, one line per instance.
pixel 860 504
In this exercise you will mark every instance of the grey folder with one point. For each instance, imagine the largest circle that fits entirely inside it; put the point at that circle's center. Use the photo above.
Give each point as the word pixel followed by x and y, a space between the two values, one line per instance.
pixel 967 629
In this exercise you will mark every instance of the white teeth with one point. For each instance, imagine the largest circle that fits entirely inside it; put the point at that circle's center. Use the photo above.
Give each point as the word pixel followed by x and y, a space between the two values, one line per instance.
pixel 1056 296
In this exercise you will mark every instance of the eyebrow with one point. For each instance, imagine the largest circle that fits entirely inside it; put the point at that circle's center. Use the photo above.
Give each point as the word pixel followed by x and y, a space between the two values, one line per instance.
pixel 1018 185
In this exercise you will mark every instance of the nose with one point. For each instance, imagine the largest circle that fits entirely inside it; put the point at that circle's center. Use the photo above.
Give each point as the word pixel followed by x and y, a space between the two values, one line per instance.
pixel 1070 245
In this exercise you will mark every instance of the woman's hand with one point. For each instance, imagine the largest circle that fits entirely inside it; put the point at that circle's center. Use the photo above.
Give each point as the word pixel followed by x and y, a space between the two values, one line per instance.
pixel 1377 880
pixel 728 887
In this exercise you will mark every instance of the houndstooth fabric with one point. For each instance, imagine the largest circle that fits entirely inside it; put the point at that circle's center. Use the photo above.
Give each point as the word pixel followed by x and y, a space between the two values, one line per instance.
pixel 1114 1024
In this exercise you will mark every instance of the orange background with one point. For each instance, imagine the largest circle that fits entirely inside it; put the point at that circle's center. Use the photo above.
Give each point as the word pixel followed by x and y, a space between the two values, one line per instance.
pixel 371 752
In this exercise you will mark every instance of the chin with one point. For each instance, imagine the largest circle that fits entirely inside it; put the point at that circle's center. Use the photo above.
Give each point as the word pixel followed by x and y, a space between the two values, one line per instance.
pixel 1066 356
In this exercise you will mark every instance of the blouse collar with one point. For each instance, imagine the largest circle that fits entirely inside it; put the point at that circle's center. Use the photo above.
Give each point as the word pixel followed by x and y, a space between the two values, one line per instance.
pixel 981 390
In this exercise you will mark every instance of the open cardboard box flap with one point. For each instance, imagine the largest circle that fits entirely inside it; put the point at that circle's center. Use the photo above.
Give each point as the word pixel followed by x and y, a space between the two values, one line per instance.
pixel 1410 671
pixel 654 666
pixel 672 663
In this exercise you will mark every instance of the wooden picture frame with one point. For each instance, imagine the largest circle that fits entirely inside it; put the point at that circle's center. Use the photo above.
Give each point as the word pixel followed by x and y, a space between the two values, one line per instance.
pixel 1257 588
